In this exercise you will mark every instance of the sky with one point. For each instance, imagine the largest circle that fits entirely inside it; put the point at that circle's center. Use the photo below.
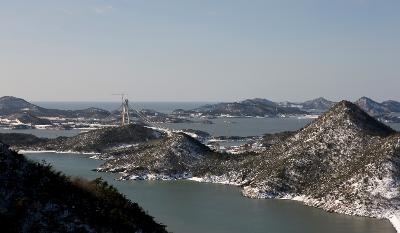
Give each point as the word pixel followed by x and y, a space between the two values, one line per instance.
pixel 200 50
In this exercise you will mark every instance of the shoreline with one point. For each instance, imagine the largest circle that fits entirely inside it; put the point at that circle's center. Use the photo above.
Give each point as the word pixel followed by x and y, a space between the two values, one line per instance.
pixel 394 219
pixel 56 152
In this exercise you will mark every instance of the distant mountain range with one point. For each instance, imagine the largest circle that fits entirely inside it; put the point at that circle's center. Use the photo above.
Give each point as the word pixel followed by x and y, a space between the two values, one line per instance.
pixel 257 108
pixel 14 108
pixel 25 112
pixel 10 105
pixel 250 107
pixel 263 107
pixel 378 109
pixel 318 104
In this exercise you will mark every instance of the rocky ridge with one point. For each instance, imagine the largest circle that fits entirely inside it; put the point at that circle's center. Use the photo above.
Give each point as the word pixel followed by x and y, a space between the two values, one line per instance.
pixel 387 111
pixel 345 162
pixel 172 157
pixel 372 107
pixel 94 141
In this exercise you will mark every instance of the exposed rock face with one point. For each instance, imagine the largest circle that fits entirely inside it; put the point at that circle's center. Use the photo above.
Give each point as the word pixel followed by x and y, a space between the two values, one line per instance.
pixel 34 198
pixel 172 157
pixel 100 140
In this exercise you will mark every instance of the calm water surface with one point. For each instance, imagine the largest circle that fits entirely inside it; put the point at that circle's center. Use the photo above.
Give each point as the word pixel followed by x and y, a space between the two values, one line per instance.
pixel 221 126
pixel 189 207
pixel 244 126
pixel 395 126
pixel 43 133
pixel 250 126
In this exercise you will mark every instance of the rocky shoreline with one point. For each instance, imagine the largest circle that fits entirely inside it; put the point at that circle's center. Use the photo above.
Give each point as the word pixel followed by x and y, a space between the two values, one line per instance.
pixel 329 204
pixel 345 161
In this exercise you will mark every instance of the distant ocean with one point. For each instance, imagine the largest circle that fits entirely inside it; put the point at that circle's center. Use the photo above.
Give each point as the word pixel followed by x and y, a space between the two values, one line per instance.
pixel 165 107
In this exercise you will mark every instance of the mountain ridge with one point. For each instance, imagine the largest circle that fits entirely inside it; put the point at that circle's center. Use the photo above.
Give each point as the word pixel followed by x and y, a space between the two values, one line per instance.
pixel 12 105
pixel 322 161
pixel 258 107
pixel 345 161
pixel 172 157
pixel 319 103
pixel 372 107
pixel 99 140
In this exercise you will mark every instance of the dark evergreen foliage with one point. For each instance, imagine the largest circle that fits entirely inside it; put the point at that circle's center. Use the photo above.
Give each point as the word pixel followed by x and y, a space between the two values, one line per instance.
pixel 35 198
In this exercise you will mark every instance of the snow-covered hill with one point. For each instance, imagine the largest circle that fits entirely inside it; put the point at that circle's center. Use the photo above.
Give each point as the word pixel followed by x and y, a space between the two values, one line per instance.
pixel 172 157
pixel 98 140
pixel 345 161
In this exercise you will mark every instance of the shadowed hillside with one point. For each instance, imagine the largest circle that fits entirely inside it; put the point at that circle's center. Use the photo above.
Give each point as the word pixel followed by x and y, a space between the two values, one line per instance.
pixel 35 198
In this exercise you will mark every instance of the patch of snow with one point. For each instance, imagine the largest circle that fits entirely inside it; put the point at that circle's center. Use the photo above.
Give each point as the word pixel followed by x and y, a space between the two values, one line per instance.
pixel 395 220
pixel 57 152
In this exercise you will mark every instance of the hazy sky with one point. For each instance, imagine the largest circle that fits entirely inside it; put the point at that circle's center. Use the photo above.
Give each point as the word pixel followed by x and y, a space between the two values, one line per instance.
pixel 204 50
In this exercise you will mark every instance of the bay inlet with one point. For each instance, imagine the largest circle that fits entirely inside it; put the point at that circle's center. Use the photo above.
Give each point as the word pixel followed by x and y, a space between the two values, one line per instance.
pixel 187 206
